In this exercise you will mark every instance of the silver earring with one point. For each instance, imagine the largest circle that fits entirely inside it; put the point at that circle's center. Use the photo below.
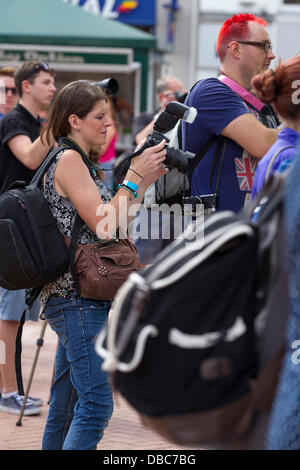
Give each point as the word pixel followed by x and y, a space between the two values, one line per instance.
pixel 78 128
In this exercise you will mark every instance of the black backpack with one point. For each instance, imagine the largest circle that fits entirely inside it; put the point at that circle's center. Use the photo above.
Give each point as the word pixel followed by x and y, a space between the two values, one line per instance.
pixel 33 250
pixel 195 341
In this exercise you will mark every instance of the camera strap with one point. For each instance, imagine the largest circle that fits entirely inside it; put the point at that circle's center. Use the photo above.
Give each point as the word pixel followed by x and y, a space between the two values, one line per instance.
pixel 220 154
pixel 202 153
pixel 214 139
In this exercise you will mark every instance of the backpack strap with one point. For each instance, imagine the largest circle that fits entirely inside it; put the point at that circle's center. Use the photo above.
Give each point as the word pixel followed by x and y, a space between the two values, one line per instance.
pixel 37 178
pixel 272 192
pixel 242 92
pixel 272 161
pixel 63 144
pixel 71 144
pixel 262 108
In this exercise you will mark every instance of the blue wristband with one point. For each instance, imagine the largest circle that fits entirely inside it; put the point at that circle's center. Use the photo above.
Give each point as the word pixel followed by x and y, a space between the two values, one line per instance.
pixel 124 186
pixel 130 185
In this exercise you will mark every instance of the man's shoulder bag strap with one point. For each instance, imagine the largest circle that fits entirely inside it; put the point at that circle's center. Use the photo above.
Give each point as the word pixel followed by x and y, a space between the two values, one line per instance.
pixel 214 139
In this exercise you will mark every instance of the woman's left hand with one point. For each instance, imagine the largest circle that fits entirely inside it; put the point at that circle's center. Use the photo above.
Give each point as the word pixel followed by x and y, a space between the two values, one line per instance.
pixel 150 164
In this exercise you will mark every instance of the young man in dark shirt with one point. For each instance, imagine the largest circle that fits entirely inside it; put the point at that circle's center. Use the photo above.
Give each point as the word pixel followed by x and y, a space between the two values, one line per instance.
pixel 21 150
pixel 21 153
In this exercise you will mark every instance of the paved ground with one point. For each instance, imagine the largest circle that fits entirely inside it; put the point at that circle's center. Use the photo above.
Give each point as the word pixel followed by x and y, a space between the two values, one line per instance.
pixel 125 432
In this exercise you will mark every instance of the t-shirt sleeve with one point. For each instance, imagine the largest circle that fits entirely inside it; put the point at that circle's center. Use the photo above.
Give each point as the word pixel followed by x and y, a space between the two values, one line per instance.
pixel 11 128
pixel 217 105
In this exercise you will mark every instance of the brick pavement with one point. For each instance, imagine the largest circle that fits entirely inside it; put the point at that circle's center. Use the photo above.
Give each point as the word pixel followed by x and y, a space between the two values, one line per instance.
pixel 125 432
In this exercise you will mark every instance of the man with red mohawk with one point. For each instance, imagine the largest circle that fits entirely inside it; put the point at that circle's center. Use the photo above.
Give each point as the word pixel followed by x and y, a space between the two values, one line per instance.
pixel 233 125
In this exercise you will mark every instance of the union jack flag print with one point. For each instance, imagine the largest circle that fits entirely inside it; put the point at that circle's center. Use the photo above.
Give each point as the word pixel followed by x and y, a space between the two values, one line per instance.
pixel 245 169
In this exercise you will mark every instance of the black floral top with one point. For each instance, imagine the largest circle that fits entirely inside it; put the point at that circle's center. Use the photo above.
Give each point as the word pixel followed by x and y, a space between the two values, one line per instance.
pixel 65 213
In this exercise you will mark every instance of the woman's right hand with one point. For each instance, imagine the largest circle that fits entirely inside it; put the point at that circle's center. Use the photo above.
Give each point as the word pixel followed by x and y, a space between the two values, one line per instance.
pixel 150 163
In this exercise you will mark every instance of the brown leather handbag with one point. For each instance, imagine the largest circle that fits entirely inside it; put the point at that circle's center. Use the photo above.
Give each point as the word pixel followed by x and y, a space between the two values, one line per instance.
pixel 100 268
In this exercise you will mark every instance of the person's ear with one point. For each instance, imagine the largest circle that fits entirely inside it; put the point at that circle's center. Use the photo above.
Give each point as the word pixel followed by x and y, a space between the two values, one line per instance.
pixel 26 86
pixel 74 122
pixel 234 48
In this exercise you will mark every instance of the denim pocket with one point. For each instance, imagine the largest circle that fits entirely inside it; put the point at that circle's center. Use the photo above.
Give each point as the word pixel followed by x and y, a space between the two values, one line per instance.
pixel 94 304
pixel 55 317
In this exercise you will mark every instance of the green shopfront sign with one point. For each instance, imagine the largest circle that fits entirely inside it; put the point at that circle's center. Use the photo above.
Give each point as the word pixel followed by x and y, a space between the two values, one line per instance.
pixel 91 59
pixel 67 55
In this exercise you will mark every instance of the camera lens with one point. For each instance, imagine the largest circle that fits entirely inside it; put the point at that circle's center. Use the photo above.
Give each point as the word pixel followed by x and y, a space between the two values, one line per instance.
pixel 180 96
pixel 110 85
pixel 177 159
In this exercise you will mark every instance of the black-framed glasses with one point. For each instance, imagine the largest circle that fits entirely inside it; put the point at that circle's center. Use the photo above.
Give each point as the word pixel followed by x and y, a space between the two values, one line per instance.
pixel 41 66
pixel 264 45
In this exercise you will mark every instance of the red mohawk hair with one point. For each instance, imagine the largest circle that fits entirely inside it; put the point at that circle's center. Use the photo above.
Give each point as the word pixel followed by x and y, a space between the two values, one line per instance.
pixel 235 28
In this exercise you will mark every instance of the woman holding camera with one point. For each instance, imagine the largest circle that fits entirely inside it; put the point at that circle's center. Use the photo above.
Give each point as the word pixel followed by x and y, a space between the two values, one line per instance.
pixel 81 399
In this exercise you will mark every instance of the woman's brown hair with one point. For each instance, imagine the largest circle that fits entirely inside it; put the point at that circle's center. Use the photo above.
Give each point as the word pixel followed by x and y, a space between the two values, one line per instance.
pixel 279 87
pixel 78 98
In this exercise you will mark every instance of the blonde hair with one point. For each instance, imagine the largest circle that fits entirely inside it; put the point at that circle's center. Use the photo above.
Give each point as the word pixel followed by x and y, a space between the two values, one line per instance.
pixel 7 72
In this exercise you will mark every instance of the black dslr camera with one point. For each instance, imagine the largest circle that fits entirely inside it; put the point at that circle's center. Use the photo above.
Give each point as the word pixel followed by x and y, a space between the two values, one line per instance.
pixel 174 111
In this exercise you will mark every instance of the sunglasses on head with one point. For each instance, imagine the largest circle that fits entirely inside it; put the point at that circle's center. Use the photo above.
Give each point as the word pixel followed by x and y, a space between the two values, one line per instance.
pixel 41 66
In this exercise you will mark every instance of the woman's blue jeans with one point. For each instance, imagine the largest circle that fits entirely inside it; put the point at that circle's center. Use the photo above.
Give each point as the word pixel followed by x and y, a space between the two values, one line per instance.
pixel 81 402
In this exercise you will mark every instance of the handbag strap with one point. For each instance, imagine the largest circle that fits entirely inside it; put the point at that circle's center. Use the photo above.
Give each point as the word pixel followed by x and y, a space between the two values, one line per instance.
pixel 67 142
pixel 78 224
